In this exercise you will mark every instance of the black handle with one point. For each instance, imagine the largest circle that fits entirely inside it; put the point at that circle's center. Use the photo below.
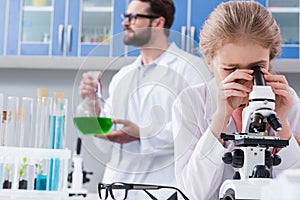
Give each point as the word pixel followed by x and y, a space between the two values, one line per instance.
pixel 226 137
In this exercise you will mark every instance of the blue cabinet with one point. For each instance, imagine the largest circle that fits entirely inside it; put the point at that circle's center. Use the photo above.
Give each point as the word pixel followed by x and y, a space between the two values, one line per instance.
pixel 179 28
pixel 108 16
pixel 58 47
pixel 13 27
pixel 93 28
pixel 199 12
pixel 65 28
pixel 263 2
pixel 2 26
pixel 117 43
pixel 286 14
pixel 62 27
pixel 28 23
pixel 189 18
pixel 40 30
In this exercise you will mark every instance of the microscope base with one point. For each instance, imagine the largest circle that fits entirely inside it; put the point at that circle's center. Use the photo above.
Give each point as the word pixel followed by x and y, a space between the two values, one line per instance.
pixel 243 189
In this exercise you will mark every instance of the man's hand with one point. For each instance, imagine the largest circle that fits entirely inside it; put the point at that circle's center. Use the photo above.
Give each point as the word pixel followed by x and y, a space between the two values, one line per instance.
pixel 128 133
pixel 88 88
pixel 88 85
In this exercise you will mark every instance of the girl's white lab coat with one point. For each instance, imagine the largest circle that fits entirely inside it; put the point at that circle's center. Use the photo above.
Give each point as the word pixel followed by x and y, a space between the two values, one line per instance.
pixel 199 168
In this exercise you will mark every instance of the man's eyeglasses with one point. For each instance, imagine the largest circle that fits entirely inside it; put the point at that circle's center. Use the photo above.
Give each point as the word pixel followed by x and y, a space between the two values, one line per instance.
pixel 119 190
pixel 132 17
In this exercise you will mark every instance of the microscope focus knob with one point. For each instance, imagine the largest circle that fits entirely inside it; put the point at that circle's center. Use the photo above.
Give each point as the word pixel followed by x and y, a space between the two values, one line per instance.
pixel 276 160
pixel 268 159
pixel 271 159
pixel 235 158
pixel 227 158
pixel 238 158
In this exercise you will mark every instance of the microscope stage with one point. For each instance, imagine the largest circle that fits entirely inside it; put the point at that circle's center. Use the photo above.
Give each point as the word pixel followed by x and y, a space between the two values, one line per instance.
pixel 252 142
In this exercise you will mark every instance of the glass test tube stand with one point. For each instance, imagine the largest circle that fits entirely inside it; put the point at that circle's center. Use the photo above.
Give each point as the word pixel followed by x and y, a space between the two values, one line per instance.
pixel 13 155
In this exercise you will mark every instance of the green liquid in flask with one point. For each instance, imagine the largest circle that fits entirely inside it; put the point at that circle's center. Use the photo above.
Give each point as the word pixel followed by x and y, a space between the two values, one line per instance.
pixel 93 125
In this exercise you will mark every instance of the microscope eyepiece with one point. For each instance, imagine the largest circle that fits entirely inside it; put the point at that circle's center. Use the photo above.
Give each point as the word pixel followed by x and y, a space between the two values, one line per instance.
pixel 258 77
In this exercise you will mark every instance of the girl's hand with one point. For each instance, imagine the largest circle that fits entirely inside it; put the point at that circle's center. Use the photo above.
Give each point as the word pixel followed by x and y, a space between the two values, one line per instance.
pixel 283 103
pixel 284 98
pixel 234 91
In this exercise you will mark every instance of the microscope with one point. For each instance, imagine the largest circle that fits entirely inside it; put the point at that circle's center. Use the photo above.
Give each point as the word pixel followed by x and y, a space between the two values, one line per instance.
pixel 78 176
pixel 253 159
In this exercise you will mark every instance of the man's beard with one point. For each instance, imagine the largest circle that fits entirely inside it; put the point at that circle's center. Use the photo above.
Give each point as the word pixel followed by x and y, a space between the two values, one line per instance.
pixel 138 39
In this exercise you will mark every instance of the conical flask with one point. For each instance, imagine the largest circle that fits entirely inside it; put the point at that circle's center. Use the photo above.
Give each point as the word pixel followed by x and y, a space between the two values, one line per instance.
pixel 89 116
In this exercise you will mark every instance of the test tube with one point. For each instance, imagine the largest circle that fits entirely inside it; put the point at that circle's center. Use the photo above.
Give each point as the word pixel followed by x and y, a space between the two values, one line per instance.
pixel 3 127
pixel 10 137
pixel 19 125
pixel 43 112
pixel 60 108
pixel 25 121
pixel 42 135
pixel 1 109
pixel 1 119
pixel 58 135
pixel 1 134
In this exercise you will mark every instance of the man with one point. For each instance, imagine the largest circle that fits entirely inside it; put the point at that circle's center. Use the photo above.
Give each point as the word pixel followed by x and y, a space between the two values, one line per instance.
pixel 141 97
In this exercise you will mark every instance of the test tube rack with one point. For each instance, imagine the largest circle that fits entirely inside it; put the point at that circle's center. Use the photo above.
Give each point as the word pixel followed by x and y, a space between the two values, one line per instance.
pixel 12 156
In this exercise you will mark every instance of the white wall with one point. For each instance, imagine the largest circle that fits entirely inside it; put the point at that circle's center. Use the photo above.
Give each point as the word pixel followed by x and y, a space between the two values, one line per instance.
pixel 294 81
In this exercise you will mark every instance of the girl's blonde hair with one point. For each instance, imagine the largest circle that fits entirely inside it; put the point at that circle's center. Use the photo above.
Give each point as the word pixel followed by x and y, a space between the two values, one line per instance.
pixel 236 21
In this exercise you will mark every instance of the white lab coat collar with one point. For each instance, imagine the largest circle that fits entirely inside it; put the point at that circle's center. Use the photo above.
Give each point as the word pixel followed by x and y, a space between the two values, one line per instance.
pixel 163 60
